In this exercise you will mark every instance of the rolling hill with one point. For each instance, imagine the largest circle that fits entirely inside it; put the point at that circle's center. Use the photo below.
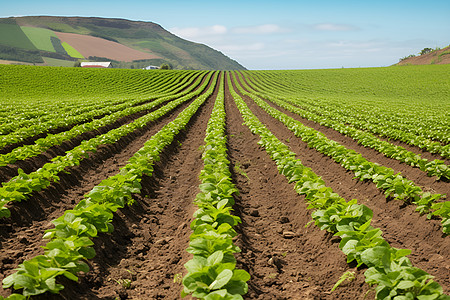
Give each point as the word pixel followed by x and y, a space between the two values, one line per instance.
pixel 438 57
pixel 48 40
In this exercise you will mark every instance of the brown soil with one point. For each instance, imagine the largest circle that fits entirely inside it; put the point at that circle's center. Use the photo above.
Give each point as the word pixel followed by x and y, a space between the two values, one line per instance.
pixel 147 247
pixel 33 163
pixel 33 216
pixel 304 267
pixel 94 46
pixel 401 225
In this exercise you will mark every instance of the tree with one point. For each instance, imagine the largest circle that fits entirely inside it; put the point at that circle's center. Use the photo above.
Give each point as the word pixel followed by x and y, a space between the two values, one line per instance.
pixel 425 51
pixel 165 66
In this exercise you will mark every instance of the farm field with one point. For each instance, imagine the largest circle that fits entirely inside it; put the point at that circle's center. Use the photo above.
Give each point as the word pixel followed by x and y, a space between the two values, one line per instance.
pixel 133 184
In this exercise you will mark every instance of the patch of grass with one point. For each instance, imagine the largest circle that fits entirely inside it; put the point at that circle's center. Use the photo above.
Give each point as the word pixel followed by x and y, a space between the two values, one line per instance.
pixel 13 36
pixel 61 27
pixel 40 37
pixel 54 62
pixel 72 51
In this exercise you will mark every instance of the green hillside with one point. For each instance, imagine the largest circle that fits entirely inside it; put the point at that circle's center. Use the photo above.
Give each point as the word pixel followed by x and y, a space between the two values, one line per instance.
pixel 147 37
pixel 12 35
pixel 40 37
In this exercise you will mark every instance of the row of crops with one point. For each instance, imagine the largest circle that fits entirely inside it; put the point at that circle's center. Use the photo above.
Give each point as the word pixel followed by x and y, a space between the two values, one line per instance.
pixel 58 106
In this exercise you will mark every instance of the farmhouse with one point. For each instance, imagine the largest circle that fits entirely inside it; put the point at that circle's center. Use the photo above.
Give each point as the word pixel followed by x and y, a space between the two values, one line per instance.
pixel 96 65
pixel 151 68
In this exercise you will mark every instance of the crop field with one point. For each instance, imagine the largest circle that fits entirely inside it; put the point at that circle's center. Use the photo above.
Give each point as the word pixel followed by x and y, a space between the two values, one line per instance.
pixel 40 37
pixel 162 184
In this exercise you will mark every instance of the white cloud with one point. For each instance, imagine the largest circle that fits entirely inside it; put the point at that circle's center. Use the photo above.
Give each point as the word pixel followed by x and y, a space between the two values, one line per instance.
pixel 261 29
pixel 199 32
pixel 243 47
pixel 334 27
pixel 368 46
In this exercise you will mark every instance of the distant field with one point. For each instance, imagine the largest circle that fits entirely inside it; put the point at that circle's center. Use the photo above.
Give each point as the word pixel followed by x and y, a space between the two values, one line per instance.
pixel 94 46
pixel 9 62
pixel 58 62
pixel 13 36
pixel 72 51
pixel 40 37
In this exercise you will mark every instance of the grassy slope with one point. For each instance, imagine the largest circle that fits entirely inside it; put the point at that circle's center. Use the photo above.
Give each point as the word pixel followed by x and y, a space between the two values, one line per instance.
pixel 72 51
pixel 15 45
pixel 143 36
pixel 13 36
pixel 53 62
pixel 40 37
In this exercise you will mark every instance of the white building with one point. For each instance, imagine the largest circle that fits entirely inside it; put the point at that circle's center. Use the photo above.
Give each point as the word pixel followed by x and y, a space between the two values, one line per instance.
pixel 151 68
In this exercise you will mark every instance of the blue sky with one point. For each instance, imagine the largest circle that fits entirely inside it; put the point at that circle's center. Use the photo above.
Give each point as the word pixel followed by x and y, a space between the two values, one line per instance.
pixel 280 34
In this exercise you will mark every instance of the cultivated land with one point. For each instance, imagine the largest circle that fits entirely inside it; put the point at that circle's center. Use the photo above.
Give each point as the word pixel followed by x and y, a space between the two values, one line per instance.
pixel 94 46
pixel 154 178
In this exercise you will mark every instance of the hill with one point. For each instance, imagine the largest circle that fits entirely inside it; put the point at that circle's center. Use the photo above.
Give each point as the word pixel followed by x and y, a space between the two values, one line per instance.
pixel 438 57
pixel 49 40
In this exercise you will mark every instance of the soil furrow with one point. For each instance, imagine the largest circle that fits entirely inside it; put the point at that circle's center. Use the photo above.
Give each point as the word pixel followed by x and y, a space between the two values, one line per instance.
pixel 424 153
pixel 147 249
pixel 419 177
pixel 34 163
pixel 305 266
pixel 402 226
pixel 21 234
pixel 30 140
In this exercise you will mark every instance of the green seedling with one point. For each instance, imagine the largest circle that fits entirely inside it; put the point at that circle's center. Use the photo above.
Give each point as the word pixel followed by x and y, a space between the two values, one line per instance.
pixel 349 276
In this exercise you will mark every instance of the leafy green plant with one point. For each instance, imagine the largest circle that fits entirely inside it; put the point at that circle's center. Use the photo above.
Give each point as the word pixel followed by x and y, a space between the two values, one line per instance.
pixel 212 272
pixel 20 187
pixel 70 241
pixel 359 240
pixel 394 185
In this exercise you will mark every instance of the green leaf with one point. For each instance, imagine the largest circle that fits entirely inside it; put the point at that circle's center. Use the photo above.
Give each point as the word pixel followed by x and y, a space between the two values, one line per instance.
pixel 215 258
pixel 222 203
pixel 221 279
pixel 9 281
pixel 207 187
pixel 4 212
pixel 405 284
pixel 217 295
pixel 15 297
pixel 433 297
pixel 242 275
pixel 196 264
pixel 70 276
pixel 31 267
pixel 378 256
pixel 23 281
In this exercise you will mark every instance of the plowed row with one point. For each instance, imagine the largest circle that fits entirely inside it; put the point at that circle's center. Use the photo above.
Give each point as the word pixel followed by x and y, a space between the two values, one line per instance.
pixel 148 245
